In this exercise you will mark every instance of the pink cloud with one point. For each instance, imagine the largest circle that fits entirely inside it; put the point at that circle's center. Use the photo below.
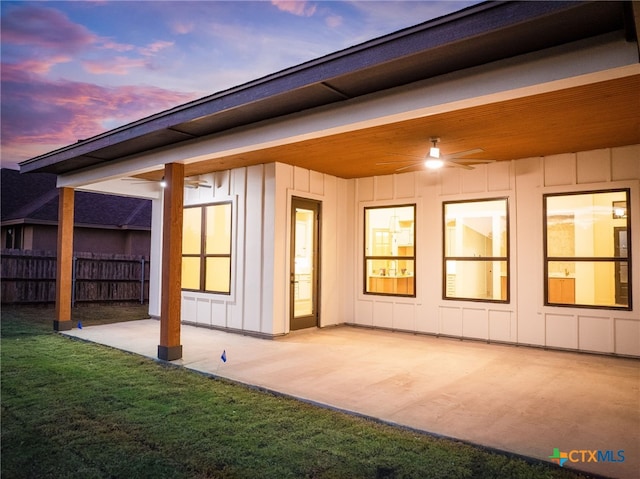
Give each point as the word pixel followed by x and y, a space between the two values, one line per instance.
pixel 114 66
pixel 334 21
pixel 123 65
pixel 299 8
pixel 118 47
pixel 57 113
pixel 182 28
pixel 155 47
pixel 38 66
pixel 38 38
pixel 40 114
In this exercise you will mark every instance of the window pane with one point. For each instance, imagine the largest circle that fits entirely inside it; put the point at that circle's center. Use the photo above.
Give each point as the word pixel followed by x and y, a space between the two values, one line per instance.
pixel 485 280
pixel 190 273
pixel 561 235
pixel 218 234
pixel 390 250
pixel 391 277
pixel 390 231
pixel 590 283
pixel 218 271
pixel 191 230
pixel 476 229
pixel 584 225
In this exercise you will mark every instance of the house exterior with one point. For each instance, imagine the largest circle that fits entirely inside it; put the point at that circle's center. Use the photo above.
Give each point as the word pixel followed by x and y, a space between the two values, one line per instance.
pixel 301 200
pixel 103 223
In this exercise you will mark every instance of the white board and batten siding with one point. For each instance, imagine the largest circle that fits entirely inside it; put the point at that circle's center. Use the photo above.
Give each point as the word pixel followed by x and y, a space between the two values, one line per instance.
pixel 525 319
pixel 261 197
pixel 259 299
pixel 336 246
pixel 243 309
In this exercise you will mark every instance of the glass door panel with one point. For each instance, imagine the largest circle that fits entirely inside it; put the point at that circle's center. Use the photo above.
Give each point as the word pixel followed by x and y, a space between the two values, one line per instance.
pixel 304 263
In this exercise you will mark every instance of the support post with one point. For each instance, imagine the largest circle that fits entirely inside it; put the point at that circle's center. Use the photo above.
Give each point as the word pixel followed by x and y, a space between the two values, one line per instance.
pixel 74 270
pixel 64 263
pixel 142 280
pixel 170 348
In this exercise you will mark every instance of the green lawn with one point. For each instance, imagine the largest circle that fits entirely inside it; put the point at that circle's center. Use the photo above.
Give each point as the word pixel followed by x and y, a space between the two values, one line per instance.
pixel 71 409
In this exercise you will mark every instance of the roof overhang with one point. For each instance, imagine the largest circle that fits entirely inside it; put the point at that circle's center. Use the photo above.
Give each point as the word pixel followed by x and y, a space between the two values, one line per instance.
pixel 489 33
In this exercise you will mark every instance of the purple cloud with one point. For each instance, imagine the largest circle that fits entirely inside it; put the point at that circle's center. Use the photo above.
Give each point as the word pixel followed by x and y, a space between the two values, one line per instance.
pixel 38 111
pixel 41 113
pixel 50 61
pixel 38 38
pixel 41 27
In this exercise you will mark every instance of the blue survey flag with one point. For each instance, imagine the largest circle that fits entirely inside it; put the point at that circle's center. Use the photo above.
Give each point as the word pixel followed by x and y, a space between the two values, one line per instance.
pixel 79 324
pixel 224 356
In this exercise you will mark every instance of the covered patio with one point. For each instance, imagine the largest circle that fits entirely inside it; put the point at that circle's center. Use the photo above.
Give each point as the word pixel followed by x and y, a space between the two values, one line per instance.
pixel 523 400
pixel 531 100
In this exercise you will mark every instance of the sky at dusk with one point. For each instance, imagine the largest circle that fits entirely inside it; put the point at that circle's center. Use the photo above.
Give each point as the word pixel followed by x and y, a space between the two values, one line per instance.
pixel 74 69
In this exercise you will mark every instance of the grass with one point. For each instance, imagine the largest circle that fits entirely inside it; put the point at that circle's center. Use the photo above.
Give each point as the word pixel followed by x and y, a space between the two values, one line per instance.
pixel 73 409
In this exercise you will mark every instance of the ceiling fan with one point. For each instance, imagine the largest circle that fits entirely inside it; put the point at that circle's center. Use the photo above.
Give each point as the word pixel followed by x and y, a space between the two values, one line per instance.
pixel 434 160
pixel 192 183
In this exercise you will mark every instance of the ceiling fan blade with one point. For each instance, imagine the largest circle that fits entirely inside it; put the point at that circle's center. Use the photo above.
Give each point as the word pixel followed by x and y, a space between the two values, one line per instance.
pixel 457 165
pixel 407 155
pixel 459 154
pixel 399 162
pixel 408 166
pixel 472 160
pixel 196 183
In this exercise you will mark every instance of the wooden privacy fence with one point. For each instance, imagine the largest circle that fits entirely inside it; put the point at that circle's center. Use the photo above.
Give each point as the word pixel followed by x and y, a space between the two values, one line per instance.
pixel 30 277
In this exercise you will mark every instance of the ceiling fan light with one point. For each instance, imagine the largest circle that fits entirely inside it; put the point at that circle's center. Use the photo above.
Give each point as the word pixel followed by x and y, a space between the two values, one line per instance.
pixel 434 163
pixel 434 152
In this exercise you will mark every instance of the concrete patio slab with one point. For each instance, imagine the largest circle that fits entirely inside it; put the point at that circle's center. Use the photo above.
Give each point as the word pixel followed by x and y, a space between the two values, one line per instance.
pixel 518 399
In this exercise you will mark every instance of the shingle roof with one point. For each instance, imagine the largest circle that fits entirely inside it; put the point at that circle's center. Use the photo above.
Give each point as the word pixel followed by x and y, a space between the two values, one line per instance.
pixel 21 193
pixel 33 198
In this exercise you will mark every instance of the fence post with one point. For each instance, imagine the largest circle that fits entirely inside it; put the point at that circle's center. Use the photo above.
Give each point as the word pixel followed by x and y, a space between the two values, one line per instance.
pixel 73 282
pixel 142 281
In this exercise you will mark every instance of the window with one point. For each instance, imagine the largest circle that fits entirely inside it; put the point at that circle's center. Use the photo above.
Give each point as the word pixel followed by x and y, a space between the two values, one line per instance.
pixel 586 249
pixel 206 248
pixel 389 235
pixel 13 239
pixel 476 250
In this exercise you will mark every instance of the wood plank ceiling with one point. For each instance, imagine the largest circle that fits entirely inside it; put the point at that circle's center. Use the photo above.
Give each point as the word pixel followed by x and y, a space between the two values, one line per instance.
pixel 600 115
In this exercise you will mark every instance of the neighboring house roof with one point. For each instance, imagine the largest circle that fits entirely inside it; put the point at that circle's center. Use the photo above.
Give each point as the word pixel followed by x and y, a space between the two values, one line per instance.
pixel 481 34
pixel 33 199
